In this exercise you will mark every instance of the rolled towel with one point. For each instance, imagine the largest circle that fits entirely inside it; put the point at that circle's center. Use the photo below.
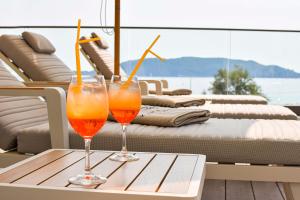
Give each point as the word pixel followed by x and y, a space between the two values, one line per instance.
pixel 172 101
pixel 173 92
pixel 169 117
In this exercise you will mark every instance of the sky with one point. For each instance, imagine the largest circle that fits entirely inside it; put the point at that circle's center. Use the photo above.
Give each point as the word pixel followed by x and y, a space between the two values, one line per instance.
pixel 263 47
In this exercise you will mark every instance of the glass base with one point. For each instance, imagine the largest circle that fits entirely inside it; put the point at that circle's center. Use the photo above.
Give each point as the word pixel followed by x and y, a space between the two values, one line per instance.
pixel 87 180
pixel 122 157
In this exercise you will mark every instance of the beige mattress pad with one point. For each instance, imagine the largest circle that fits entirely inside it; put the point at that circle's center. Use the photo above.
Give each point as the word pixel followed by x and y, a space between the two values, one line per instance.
pixel 233 99
pixel 249 111
pixel 221 140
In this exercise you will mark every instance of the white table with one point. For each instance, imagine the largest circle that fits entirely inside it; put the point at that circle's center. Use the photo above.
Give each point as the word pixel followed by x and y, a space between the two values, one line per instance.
pixel 155 176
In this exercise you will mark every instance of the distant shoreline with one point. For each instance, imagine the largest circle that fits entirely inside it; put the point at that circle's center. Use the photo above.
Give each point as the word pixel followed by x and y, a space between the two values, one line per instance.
pixel 86 73
pixel 213 77
pixel 206 67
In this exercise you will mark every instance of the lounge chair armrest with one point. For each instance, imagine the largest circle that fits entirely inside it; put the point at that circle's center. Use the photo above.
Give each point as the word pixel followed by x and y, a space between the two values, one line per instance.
pixel 165 83
pixel 158 85
pixel 144 87
pixel 63 85
pixel 56 105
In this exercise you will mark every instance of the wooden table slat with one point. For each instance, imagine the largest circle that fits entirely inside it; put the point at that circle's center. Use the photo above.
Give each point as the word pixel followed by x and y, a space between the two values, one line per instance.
pixel 124 176
pixel 179 177
pixel 61 179
pixel 26 168
pixel 51 169
pixel 149 180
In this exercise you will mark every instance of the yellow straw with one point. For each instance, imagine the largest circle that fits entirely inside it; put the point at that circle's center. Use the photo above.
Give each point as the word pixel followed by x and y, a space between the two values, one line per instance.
pixel 157 56
pixel 141 60
pixel 88 40
pixel 78 67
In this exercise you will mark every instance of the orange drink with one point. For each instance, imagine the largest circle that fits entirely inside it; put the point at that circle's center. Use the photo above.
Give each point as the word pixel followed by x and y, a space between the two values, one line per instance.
pixel 124 105
pixel 87 128
pixel 87 111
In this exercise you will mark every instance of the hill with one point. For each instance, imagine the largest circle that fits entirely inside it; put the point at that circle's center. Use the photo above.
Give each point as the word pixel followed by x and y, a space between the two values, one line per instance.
pixel 205 67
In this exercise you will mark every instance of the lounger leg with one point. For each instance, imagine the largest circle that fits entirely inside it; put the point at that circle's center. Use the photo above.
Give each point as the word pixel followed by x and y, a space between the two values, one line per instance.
pixel 292 191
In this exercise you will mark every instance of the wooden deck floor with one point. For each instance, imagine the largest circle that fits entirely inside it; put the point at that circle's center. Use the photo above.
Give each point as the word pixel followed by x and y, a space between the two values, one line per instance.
pixel 242 190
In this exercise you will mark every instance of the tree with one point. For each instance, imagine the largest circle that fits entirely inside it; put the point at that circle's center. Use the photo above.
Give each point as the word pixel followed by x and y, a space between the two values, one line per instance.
pixel 237 81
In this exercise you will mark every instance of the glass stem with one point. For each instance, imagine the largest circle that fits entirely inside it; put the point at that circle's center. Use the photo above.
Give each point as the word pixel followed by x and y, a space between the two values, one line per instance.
pixel 124 145
pixel 87 144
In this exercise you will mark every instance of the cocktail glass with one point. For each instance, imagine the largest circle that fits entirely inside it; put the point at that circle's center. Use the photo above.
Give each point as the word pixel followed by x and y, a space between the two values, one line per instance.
pixel 87 111
pixel 124 105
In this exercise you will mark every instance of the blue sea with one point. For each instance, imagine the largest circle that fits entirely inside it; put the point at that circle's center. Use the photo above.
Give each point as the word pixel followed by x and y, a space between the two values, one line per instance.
pixel 280 91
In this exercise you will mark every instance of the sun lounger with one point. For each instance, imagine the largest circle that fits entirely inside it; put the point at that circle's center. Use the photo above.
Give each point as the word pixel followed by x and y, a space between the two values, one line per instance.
pixel 24 123
pixel 21 107
pixel 34 112
pixel 234 111
pixel 219 139
pixel 100 58
pixel 250 111
pixel 18 54
pixel 230 141
pixel 38 63
pixel 12 46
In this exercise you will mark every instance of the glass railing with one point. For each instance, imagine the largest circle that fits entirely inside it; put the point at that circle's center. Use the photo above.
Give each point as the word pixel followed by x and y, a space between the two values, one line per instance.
pixel 253 62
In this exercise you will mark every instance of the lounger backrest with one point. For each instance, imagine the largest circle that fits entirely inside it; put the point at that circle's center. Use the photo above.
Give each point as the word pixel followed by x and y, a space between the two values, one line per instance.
pixel 17 113
pixel 102 59
pixel 37 66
